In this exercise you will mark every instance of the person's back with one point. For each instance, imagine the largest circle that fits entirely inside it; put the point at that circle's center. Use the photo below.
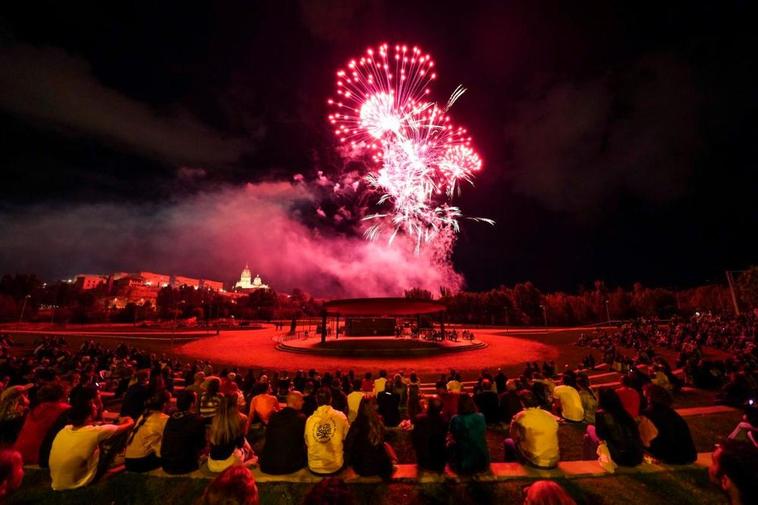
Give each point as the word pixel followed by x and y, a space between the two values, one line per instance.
pixel 262 406
pixel 284 450
pixel 183 437
pixel 487 403
pixel 629 397
pixel 136 396
pixel 429 436
pixel 622 437
pixel 143 447
pixel 325 432
pixel 365 451
pixel 469 431
pixel 535 433
pixel 510 402
pixel 353 402
pixel 39 421
pixel 75 453
pixel 570 401
pixel 389 407
pixel 674 444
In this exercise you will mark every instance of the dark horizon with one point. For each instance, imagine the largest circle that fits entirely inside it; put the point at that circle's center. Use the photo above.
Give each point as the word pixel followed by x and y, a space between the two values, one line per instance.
pixel 618 139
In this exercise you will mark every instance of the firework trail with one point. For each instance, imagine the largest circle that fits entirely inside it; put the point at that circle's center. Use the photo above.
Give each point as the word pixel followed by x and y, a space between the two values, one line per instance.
pixel 382 106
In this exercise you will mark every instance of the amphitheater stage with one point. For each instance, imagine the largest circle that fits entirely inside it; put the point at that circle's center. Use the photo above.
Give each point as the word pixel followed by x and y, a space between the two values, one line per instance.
pixel 390 347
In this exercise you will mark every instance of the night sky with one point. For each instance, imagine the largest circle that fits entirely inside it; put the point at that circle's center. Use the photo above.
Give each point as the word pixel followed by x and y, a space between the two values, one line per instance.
pixel 619 138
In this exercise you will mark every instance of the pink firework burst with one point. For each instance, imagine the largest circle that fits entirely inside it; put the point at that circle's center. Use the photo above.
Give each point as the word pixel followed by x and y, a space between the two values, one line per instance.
pixel 382 105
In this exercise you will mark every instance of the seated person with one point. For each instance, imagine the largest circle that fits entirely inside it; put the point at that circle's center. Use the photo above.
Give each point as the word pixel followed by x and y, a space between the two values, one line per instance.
pixel 325 432
pixel 11 472
pixel 284 449
pixel 468 451
pixel 136 395
pixel 228 445
pixel 14 404
pixel 629 396
pixel 510 402
pixel 389 405
pixel 354 401
pixel 533 438
pixel 262 406
pixel 143 447
pixel 487 402
pixel 183 437
pixel 235 485
pixel 617 429
pixel 75 455
pixel 210 400
pixel 39 421
pixel 567 400
pixel 429 437
pixel 365 448
pixel 674 444
pixel 734 466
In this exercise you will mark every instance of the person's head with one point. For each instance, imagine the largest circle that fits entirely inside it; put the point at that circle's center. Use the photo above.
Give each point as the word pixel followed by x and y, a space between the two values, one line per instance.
pixel 609 401
pixel 626 380
pixel 234 486
pixel 156 401
pixel 143 376
pixel 213 387
pixel 51 392
pixel 434 407
pixel 511 385
pixel 185 400
pixel 657 396
pixel 324 396
pixel 734 465
pixel 414 377
pixel 199 378
pixel 227 423
pixel 486 385
pixel 295 400
pixel 11 472
pixel 383 373
pixel 466 404
pixel 547 492
pixel 569 378
pixel 84 406
pixel 13 401
pixel 330 491
pixel 368 416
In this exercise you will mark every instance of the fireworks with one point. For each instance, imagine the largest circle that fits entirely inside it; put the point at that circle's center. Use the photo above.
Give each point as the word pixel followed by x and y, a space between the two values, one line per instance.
pixel 382 105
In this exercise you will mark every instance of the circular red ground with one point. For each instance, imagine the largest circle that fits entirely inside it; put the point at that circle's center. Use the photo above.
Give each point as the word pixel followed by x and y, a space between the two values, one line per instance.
pixel 257 348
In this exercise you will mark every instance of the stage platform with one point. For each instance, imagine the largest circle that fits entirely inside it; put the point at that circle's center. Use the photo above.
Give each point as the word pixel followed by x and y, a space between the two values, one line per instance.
pixel 370 347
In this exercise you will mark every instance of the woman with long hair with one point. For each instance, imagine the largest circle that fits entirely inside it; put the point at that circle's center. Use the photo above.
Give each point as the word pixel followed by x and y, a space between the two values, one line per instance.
pixel 365 448
pixel 468 444
pixel 615 427
pixel 547 492
pixel 227 437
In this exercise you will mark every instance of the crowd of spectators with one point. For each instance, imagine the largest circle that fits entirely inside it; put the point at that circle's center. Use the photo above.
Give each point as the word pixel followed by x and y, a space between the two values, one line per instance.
pixel 52 413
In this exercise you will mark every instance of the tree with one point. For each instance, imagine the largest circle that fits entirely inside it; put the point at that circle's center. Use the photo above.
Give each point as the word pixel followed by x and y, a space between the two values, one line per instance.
pixel 418 294
pixel 747 288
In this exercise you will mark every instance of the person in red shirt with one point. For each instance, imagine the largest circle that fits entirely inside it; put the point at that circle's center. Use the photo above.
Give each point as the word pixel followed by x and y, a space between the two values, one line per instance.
pixel 39 421
pixel 630 398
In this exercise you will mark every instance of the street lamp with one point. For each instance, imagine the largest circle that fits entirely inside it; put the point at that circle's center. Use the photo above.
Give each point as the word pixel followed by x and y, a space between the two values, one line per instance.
pixel 544 312
pixel 607 311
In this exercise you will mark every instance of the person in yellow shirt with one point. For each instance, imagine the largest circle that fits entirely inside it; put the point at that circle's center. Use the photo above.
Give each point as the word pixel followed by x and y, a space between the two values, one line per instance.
pixel 534 438
pixel 143 447
pixel 75 453
pixel 325 433
pixel 567 400
pixel 354 401
pixel 381 382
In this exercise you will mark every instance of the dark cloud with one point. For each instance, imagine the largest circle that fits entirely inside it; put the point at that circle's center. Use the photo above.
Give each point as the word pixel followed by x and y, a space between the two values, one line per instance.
pixel 53 88
pixel 632 130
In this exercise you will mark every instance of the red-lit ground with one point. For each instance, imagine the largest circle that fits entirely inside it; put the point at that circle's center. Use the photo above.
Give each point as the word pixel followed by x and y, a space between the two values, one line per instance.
pixel 257 349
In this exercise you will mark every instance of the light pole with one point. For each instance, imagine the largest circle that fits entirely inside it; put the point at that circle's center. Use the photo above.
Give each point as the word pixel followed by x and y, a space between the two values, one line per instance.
pixel 607 311
pixel 544 313
pixel 23 307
